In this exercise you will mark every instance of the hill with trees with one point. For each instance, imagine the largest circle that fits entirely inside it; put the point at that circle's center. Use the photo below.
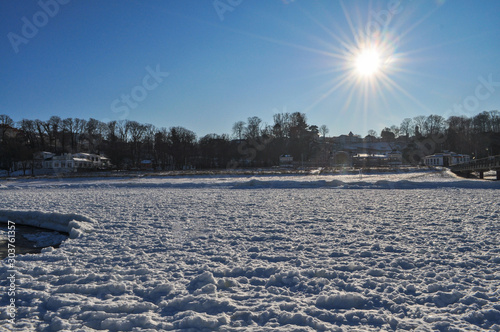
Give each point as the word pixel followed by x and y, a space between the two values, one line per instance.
pixel 252 143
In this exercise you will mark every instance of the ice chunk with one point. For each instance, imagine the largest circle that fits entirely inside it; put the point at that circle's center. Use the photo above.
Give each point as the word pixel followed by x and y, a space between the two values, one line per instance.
pixel 73 224
pixel 201 280
pixel 341 301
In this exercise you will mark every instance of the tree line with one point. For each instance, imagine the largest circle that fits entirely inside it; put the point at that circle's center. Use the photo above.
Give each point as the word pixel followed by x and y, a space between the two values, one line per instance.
pixel 478 136
pixel 128 142
pixel 252 143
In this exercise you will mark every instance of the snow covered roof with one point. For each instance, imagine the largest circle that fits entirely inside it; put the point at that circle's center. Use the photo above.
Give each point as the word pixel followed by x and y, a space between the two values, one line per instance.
pixel 367 155
pixel 448 154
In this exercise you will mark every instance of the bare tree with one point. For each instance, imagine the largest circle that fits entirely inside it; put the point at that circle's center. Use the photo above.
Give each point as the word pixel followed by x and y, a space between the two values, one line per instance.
pixel 29 129
pixel 395 130
pixel 406 128
pixel 482 122
pixel 54 125
pixel 252 131
pixel 434 125
pixel 161 148
pixel 266 131
pixel 39 128
pixel 182 143
pixel 149 140
pixel 419 122
pixel 100 134
pixel 5 123
pixel 6 120
pixel 238 129
pixel 48 131
pixel 137 132
pixel 112 137
pixel 69 126
pixel 91 129
pixel 495 121
pixel 122 130
pixel 323 130
pixel 282 123
pixel 79 130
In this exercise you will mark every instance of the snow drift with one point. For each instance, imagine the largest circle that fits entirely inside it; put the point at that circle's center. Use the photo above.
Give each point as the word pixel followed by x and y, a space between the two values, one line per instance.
pixel 73 224
pixel 396 180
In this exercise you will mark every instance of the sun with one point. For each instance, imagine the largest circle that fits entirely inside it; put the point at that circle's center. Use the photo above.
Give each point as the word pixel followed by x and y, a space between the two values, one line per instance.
pixel 368 62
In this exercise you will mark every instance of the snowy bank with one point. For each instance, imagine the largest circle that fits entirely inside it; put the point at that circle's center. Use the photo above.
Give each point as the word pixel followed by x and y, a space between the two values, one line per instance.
pixel 399 181
pixel 73 224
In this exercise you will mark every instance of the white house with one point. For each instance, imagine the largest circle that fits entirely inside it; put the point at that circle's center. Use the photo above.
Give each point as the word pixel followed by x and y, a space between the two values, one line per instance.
pixel 446 159
pixel 73 162
pixel 48 161
pixel 97 161
pixel 459 158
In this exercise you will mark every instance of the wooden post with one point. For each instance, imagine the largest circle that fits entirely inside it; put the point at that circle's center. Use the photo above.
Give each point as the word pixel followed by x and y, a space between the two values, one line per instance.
pixel 498 174
pixel 481 174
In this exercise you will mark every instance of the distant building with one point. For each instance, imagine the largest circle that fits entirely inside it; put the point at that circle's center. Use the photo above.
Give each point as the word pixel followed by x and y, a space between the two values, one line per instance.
pixel 147 165
pixel 348 139
pixel 391 159
pixel 446 158
pixel 370 150
pixel 369 160
pixel 286 160
pixel 73 162
pixel 394 158
pixel 370 139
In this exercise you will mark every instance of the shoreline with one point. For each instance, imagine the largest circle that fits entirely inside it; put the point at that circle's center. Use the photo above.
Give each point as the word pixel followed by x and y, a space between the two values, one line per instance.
pixel 240 171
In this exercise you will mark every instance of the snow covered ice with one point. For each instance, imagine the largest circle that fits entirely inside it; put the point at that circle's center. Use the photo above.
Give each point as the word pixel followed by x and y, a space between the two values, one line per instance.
pixel 412 251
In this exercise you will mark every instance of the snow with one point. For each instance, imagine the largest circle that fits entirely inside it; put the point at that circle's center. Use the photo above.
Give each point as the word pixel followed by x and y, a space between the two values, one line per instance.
pixel 396 251
pixel 341 301
pixel 73 224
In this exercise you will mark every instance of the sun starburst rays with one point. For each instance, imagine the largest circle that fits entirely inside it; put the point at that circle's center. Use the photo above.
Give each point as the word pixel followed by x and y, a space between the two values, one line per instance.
pixel 368 62
pixel 366 74
pixel 366 70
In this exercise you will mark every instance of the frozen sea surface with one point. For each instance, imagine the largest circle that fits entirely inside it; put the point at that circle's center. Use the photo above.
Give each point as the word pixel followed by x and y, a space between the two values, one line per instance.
pixel 416 251
pixel 29 239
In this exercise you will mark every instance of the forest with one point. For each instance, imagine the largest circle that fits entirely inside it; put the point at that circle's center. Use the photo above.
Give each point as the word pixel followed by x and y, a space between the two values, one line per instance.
pixel 252 143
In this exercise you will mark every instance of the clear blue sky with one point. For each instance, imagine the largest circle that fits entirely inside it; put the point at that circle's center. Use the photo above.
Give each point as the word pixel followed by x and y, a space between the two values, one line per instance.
pixel 255 58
